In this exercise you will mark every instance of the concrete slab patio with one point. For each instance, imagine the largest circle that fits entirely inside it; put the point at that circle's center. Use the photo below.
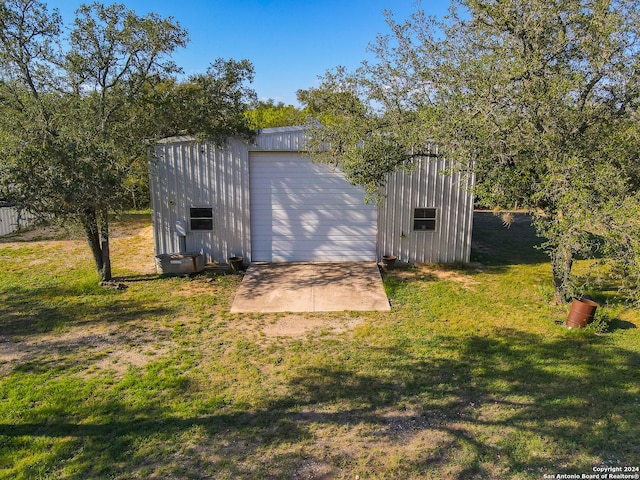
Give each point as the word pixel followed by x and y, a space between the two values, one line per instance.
pixel 311 287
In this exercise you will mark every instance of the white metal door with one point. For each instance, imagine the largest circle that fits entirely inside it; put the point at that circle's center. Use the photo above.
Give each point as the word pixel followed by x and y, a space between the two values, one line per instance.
pixel 305 211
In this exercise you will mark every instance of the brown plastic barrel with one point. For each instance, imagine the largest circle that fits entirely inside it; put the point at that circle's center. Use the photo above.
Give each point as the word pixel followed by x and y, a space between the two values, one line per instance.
pixel 581 313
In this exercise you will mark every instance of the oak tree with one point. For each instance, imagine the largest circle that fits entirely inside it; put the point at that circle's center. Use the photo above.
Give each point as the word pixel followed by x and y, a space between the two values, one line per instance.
pixel 269 114
pixel 541 96
pixel 77 111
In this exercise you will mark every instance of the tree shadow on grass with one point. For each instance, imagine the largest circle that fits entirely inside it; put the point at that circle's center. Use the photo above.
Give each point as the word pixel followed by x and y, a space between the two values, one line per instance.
pixel 618 324
pixel 149 277
pixel 483 399
pixel 33 311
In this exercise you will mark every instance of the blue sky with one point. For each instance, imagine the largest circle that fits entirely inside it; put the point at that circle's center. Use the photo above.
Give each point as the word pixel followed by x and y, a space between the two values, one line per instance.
pixel 290 43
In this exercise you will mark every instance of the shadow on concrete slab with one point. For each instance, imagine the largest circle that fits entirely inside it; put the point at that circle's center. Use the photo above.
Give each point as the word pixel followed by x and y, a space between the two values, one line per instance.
pixel 311 287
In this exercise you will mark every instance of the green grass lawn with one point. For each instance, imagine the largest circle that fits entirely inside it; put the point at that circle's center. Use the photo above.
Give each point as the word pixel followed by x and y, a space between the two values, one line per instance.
pixel 471 375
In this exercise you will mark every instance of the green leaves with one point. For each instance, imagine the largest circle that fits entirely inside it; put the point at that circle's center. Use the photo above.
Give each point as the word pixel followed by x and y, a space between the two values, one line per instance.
pixel 75 124
pixel 112 47
pixel 541 95
pixel 268 114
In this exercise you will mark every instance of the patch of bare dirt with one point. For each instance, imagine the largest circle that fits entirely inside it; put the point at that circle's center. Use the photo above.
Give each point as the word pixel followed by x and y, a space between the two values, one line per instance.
pixel 196 289
pixel 135 251
pixel 300 326
pixel 380 437
pixel 466 281
pixel 130 225
pixel 93 348
pixel 120 360
pixel 432 273
pixel 40 233
pixel 131 244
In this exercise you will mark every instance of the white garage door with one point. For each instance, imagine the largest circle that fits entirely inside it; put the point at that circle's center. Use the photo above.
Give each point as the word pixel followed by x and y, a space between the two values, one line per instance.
pixel 304 211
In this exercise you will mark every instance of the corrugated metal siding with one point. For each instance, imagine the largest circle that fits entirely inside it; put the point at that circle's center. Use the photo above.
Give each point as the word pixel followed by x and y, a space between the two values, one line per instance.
pixel 10 220
pixel 284 139
pixel 186 174
pixel 304 211
pixel 426 187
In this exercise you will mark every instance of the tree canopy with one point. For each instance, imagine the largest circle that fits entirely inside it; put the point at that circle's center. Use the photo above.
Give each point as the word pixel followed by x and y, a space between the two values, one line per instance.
pixel 268 114
pixel 78 111
pixel 540 96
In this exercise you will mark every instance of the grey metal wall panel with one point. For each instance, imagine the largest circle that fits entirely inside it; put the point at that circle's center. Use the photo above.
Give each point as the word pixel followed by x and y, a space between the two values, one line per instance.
pixel 285 139
pixel 11 220
pixel 304 211
pixel 184 174
pixel 427 187
pixel 8 220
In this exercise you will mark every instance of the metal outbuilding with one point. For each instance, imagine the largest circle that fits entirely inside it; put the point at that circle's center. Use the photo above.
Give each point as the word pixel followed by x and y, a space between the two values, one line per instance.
pixel 267 201
pixel 12 218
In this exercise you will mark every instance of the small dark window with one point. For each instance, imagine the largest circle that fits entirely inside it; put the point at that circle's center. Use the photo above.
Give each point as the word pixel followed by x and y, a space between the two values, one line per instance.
pixel 424 219
pixel 201 218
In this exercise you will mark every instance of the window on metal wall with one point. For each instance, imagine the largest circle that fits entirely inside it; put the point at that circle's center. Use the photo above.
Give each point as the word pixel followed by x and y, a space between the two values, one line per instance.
pixel 201 218
pixel 424 219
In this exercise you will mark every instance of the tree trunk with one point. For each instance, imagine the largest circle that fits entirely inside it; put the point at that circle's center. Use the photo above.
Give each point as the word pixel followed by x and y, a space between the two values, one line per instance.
pixel 105 274
pixel 90 225
pixel 561 263
pixel 97 233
